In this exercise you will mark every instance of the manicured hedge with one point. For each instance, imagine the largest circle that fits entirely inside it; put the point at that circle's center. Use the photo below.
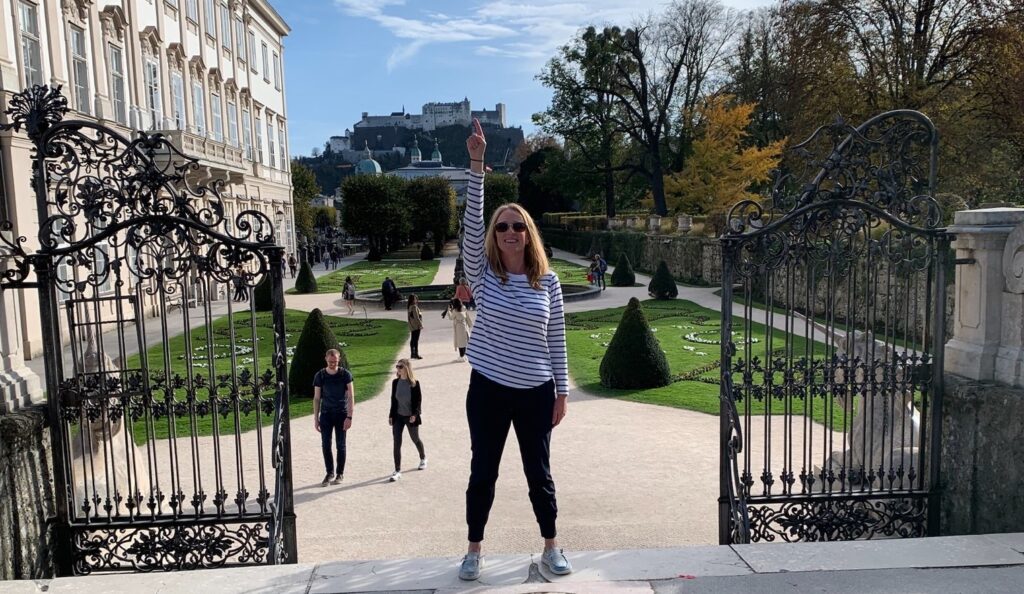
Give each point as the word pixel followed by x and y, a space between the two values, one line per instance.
pixel 634 358
pixel 314 342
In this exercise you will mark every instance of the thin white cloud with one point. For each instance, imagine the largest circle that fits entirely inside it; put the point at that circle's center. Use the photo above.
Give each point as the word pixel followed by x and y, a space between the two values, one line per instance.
pixel 529 31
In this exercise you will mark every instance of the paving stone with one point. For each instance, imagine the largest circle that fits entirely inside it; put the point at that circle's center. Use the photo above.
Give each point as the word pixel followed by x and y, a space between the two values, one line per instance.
pixel 649 564
pixel 947 551
pixel 283 579
pixel 560 588
pixel 23 586
pixel 415 574
pixel 1014 540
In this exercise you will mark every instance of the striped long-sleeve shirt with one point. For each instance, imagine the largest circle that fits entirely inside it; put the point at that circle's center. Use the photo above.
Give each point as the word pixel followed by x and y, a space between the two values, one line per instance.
pixel 519 336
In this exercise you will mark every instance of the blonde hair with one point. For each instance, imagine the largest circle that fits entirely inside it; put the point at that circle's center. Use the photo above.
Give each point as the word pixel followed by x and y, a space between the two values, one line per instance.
pixel 408 371
pixel 536 260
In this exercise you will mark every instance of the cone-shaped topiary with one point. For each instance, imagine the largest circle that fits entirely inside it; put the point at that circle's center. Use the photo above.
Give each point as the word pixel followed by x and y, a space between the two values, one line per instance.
pixel 634 358
pixel 623 275
pixel 314 342
pixel 306 281
pixel 662 286
pixel 261 295
pixel 426 253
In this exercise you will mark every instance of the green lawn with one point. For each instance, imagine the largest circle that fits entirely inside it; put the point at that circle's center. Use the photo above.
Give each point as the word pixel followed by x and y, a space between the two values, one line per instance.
pixel 693 365
pixel 370 345
pixel 369 275
pixel 569 272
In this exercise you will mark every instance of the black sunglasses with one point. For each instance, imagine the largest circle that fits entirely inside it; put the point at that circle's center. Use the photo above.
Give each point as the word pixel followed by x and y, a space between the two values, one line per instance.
pixel 502 227
pixel 399 366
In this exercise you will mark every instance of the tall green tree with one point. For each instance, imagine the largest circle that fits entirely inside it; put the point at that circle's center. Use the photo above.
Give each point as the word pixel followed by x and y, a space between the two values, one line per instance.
pixel 498 189
pixel 304 190
pixel 581 107
pixel 375 206
pixel 431 201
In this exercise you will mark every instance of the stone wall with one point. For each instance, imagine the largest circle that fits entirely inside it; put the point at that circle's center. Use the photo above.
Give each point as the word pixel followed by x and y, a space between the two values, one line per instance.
pixel 26 495
pixel 982 458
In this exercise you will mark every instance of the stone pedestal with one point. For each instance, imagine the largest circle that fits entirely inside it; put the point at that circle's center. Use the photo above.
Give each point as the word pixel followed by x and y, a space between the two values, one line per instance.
pixel 19 386
pixel 985 303
pixel 654 223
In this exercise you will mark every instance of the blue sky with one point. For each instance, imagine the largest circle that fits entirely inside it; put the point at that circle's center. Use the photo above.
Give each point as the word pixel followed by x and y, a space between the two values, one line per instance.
pixel 344 57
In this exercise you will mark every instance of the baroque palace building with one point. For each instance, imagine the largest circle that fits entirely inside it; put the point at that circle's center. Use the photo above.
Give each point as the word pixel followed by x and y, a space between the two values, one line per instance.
pixel 209 74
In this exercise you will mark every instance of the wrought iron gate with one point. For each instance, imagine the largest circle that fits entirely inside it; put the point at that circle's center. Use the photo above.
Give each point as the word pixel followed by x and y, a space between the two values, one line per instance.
pixel 833 317
pixel 169 409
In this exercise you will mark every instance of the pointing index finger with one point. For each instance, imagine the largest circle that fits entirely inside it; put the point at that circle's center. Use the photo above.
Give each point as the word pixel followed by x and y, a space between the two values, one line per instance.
pixel 476 127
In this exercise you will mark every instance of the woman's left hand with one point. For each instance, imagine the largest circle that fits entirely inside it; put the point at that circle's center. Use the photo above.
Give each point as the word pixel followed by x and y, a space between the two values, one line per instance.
pixel 561 407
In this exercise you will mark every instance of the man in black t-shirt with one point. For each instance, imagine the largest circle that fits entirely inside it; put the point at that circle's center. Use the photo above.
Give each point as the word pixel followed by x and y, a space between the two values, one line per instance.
pixel 333 403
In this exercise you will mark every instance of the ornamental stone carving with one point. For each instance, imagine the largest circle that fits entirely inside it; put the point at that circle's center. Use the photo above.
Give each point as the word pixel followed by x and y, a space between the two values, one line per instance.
pixel 1013 260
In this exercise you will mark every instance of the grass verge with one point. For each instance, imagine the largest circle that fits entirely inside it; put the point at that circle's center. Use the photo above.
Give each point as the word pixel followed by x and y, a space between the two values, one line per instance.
pixel 369 275
pixel 370 345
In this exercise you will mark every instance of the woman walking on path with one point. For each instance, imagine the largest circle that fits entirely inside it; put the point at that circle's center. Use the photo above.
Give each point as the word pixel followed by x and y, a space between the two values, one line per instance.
pixel 406 404
pixel 464 294
pixel 348 293
pixel 415 325
pixel 520 368
pixel 461 325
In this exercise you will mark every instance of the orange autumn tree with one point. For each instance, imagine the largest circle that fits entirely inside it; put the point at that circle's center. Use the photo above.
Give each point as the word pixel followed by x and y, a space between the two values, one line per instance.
pixel 721 170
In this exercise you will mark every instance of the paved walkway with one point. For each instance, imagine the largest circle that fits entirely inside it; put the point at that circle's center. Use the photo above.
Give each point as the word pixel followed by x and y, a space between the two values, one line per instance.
pixel 628 475
pixel 992 564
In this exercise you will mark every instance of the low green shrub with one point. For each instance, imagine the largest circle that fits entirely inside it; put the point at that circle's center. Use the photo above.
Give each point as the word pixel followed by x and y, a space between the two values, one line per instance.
pixel 623 275
pixel 314 342
pixel 634 358
pixel 662 286
pixel 305 283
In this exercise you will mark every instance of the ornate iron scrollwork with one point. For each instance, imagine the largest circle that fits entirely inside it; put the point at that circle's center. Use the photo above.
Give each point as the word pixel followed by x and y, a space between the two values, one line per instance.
pixel 169 548
pixel 840 271
pixel 137 248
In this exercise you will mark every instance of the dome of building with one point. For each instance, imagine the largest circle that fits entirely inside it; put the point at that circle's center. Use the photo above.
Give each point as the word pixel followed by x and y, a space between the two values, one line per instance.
pixel 436 155
pixel 367 166
pixel 415 156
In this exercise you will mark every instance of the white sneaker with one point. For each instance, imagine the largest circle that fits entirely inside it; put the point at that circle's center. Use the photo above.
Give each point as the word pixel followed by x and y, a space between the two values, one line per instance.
pixel 394 477
pixel 423 464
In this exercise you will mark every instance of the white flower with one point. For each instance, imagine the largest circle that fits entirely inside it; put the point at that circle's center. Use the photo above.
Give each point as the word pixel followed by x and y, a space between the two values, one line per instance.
pixel 700 354
pixel 689 348
pixel 595 336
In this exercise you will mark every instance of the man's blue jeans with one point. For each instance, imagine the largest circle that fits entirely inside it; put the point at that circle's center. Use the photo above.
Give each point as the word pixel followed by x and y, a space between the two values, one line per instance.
pixel 333 422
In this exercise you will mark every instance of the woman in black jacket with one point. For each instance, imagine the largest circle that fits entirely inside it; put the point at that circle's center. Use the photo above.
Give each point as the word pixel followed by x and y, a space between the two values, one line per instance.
pixel 406 402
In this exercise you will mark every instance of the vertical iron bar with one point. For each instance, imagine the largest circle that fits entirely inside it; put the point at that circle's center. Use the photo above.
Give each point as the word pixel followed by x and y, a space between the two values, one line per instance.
pixel 286 514
pixel 938 384
pixel 724 414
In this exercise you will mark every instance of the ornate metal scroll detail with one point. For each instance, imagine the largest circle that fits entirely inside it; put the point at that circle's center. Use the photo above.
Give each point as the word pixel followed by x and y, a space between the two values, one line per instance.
pixel 35 110
pixel 886 165
pixel 169 548
pixel 838 519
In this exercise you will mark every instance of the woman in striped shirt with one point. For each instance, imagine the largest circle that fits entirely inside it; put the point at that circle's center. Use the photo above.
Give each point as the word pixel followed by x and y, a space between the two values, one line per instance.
pixel 517 351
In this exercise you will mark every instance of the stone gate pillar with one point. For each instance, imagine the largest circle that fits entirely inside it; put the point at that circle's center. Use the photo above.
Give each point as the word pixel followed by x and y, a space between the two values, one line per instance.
pixel 988 319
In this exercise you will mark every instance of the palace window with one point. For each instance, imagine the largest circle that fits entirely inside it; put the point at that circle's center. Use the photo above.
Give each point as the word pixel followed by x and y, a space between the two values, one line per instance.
pixel 266 64
pixel 270 142
pixel 280 143
pixel 252 50
pixel 232 124
pixel 225 27
pixel 117 85
pixel 198 108
pixel 247 133
pixel 240 39
pixel 259 138
pixel 30 55
pixel 211 19
pixel 178 95
pixel 192 10
pixel 218 121
pixel 80 70
pixel 277 71
pixel 153 106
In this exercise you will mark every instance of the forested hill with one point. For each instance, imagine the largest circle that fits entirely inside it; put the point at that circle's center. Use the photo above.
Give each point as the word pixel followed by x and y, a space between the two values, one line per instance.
pixel 331 168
